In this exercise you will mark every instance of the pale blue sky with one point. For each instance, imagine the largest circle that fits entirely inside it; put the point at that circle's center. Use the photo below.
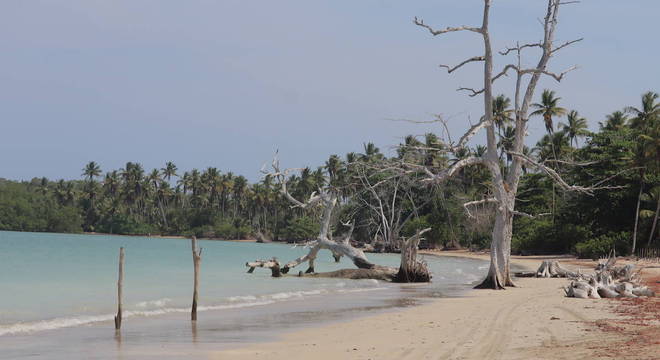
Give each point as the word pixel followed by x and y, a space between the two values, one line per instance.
pixel 225 83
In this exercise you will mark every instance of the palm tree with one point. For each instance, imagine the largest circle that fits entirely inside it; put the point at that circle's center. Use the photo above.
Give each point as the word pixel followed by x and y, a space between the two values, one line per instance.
pixel 371 152
pixel 615 121
pixel 575 128
pixel 506 142
pixel 169 170
pixel 647 114
pixel 548 108
pixel 91 170
pixel 645 124
pixel 502 114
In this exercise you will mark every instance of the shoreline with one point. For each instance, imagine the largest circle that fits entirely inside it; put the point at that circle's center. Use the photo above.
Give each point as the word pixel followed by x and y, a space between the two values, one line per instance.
pixel 534 320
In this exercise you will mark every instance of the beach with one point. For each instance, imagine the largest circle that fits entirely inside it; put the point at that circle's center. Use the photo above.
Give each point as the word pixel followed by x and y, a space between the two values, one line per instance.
pixel 253 316
pixel 533 321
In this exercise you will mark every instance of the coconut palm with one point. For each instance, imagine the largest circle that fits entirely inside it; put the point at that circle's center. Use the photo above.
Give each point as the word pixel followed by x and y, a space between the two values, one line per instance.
pixel 645 124
pixel 575 128
pixel 615 121
pixel 91 170
pixel 647 115
pixel 169 170
pixel 502 114
pixel 548 108
pixel 506 142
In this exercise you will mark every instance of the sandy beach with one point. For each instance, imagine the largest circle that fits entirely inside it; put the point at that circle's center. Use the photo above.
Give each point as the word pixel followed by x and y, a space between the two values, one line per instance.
pixel 533 321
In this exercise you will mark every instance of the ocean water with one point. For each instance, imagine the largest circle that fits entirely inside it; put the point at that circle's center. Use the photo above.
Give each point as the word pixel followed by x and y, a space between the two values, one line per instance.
pixel 58 289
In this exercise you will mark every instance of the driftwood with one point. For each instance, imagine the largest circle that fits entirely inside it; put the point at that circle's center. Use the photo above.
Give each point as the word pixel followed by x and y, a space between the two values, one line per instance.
pixel 551 268
pixel 412 269
pixel 272 264
pixel 197 258
pixel 262 238
pixel 120 284
pixel 609 281
pixel 384 273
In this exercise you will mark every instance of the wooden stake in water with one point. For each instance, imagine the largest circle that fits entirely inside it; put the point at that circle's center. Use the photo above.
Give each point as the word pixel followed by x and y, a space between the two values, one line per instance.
pixel 120 284
pixel 197 258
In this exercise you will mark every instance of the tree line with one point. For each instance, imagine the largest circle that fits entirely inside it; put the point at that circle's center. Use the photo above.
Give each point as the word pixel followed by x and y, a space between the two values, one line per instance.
pixel 384 202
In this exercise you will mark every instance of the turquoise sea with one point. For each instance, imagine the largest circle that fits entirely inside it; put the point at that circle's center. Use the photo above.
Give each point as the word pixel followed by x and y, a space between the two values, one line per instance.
pixel 58 294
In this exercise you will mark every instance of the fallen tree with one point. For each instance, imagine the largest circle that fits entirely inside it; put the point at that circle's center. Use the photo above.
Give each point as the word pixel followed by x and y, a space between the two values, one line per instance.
pixel 609 281
pixel 326 198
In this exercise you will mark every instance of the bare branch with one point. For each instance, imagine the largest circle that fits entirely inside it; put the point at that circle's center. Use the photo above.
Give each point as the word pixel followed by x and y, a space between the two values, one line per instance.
pixel 568 43
pixel 555 176
pixel 472 59
pixel 507 50
pixel 474 92
pixel 467 205
pixel 282 178
pixel 520 213
pixel 557 77
pixel 571 163
pixel 504 71
pixel 474 129
pixel 452 170
pixel 434 32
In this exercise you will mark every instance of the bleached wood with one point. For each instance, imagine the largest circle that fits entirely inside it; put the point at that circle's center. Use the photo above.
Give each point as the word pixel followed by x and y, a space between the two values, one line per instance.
pixel 451 69
pixel 197 259
pixel 120 285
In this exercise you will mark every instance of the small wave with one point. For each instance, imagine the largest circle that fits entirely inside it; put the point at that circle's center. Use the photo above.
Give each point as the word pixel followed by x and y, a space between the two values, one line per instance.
pixel 153 303
pixel 344 291
pixel 242 298
pixel 158 307
pixel 295 294
pixel 58 323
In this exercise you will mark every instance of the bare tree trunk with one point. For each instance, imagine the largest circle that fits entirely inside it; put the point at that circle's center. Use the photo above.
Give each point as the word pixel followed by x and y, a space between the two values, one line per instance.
pixel 197 258
pixel 120 284
pixel 639 201
pixel 412 269
pixel 499 259
pixel 655 222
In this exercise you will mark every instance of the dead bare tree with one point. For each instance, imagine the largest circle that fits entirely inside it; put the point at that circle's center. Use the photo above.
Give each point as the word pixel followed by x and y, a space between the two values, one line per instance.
pixel 505 180
pixel 326 198
pixel 390 198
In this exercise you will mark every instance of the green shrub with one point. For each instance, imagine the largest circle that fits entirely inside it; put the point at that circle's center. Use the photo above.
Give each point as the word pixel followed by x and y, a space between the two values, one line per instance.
pixel 602 245
pixel 302 228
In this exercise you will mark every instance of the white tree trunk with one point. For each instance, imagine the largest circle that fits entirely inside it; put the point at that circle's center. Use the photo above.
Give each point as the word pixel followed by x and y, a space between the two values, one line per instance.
pixel 639 201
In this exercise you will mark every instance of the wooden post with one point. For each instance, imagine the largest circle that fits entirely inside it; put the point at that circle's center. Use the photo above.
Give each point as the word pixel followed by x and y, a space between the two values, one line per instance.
pixel 197 258
pixel 120 283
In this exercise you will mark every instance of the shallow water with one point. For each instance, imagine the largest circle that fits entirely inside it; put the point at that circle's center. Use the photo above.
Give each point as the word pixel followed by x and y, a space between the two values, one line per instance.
pixel 60 289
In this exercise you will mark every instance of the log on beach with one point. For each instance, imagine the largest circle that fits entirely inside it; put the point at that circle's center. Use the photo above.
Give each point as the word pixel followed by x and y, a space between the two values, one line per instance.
pixel 609 281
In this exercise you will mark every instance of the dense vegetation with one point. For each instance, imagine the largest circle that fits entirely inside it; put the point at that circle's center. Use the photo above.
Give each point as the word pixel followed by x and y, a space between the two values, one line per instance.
pixel 624 154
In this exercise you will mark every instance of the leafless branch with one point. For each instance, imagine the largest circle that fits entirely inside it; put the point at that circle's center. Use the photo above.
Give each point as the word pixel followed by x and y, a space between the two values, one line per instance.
pixel 557 77
pixel 520 213
pixel 507 50
pixel 434 32
pixel 568 43
pixel 556 177
pixel 282 178
pixel 571 163
pixel 473 130
pixel 467 205
pixel 472 59
pixel 473 91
